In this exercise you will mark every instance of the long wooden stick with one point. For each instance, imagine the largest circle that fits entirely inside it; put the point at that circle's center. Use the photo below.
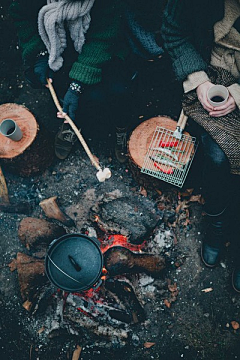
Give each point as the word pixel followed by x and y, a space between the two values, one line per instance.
pixel 73 126
pixel 4 199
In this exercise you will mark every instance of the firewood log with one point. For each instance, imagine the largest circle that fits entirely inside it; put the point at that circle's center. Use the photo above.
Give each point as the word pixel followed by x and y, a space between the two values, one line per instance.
pixel 4 199
pixel 31 274
pixel 52 211
pixel 37 232
pixel 120 260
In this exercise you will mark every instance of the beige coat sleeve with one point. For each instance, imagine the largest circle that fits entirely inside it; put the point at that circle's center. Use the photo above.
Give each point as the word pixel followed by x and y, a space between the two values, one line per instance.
pixel 194 80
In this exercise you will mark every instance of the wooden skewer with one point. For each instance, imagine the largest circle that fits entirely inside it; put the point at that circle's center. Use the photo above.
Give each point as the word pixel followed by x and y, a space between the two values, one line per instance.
pixel 102 174
pixel 73 126
pixel 4 199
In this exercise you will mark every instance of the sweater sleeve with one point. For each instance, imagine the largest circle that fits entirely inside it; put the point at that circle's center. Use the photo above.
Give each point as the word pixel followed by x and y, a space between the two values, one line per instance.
pixel 102 42
pixel 177 33
pixel 25 21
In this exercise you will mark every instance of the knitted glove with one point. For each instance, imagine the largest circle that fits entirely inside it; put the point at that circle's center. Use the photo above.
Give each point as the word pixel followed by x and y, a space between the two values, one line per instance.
pixel 71 99
pixel 42 70
pixel 36 74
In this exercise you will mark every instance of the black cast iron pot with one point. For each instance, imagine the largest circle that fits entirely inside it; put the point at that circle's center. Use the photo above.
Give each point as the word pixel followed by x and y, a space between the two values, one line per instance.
pixel 74 262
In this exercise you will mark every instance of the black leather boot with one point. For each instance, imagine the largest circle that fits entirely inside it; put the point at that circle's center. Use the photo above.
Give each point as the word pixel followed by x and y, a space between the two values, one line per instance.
pixel 215 238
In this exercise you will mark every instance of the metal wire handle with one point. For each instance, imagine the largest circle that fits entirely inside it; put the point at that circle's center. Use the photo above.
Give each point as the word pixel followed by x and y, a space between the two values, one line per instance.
pixel 57 267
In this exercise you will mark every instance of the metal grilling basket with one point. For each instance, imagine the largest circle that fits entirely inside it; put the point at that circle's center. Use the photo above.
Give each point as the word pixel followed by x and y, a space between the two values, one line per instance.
pixel 170 154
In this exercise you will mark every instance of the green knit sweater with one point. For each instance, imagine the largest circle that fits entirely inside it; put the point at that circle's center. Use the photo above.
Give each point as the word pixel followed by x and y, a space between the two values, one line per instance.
pixel 104 39
pixel 188 36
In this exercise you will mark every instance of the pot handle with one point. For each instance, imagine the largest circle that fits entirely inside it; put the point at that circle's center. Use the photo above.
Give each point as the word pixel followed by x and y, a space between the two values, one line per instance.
pixel 96 286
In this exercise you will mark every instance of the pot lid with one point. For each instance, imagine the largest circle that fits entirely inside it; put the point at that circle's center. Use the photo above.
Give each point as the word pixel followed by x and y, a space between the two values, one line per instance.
pixel 74 262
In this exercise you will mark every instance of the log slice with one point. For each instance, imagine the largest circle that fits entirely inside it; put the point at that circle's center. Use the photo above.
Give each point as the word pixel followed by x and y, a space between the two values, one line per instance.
pixel 34 152
pixel 138 146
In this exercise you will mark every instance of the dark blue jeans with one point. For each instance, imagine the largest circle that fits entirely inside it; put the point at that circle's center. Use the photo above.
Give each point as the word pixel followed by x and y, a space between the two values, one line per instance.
pixel 220 188
pixel 107 104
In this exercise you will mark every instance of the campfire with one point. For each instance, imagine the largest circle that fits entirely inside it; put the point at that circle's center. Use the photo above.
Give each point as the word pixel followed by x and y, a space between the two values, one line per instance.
pixel 107 305
pixel 115 299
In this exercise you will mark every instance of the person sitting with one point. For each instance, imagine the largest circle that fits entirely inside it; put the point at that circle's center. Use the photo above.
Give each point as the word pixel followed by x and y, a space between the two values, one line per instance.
pixel 80 46
pixel 203 41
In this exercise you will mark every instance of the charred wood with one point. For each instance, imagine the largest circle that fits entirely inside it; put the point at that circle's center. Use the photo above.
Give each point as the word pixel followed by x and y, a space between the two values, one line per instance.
pixel 31 274
pixel 125 293
pixel 120 260
pixel 36 232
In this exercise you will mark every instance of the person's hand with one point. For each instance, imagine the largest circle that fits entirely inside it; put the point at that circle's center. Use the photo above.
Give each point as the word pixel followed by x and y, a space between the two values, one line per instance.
pixel 225 109
pixel 42 70
pixel 214 111
pixel 37 74
pixel 71 101
pixel 202 95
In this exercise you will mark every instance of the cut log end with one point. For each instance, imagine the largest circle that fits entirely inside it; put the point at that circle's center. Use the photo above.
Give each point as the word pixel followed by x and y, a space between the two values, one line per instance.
pixel 37 232
pixel 52 211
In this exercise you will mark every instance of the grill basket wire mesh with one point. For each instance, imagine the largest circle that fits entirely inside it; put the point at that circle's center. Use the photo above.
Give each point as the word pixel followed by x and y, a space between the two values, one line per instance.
pixel 174 163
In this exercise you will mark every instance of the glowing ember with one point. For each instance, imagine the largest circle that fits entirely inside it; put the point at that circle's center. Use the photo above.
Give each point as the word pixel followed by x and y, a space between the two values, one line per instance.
pixel 120 240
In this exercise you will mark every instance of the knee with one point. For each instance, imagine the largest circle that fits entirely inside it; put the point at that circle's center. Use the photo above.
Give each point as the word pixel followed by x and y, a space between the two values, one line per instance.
pixel 214 155
pixel 218 160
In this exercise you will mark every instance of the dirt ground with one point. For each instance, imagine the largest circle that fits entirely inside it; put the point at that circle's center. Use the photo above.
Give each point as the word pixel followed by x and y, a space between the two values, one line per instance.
pixel 198 324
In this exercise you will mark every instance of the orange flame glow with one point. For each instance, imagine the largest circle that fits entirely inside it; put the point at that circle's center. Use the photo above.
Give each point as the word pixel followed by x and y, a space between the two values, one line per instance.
pixel 120 240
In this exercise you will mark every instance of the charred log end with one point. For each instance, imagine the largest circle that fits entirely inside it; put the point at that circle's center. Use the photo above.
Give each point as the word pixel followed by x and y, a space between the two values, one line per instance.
pixel 52 211
pixel 118 260
pixel 31 274
pixel 35 232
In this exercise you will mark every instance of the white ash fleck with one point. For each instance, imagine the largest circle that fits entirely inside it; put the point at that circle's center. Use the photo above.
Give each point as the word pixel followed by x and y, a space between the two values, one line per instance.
pixel 145 280
pixel 150 289
pixel 55 325
pixel 162 240
pixel 91 232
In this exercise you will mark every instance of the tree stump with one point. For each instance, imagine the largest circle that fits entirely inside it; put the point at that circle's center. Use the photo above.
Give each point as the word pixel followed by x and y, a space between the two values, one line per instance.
pixel 138 146
pixel 34 152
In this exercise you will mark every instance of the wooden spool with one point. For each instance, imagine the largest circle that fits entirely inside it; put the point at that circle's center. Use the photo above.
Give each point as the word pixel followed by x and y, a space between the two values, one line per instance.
pixel 34 152
pixel 138 146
